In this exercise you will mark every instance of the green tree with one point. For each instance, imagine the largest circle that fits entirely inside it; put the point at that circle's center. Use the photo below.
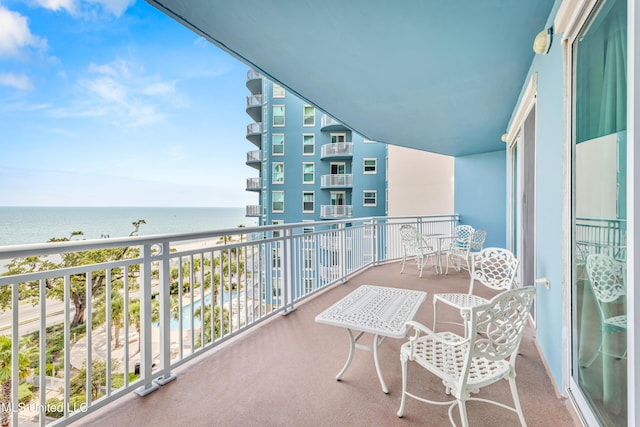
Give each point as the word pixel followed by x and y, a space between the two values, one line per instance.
pixel 78 289
pixel 78 384
pixel 117 313
pixel 6 357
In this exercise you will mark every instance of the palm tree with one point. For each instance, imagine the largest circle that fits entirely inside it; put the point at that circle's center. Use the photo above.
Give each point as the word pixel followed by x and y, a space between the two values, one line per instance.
pixel 5 374
pixel 117 313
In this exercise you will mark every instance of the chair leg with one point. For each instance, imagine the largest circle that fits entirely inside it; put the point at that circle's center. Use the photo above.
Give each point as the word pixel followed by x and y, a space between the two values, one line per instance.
pixel 516 400
pixel 404 258
pixel 403 362
pixel 462 407
pixel 435 313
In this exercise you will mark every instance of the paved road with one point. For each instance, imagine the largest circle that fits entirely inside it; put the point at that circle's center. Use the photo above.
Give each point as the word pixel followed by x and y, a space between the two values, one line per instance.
pixel 29 317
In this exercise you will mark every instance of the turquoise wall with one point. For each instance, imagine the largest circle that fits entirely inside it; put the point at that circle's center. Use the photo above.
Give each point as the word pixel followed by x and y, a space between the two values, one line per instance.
pixel 480 188
pixel 549 205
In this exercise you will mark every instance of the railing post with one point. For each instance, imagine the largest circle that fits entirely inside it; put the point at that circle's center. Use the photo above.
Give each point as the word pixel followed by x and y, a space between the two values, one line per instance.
pixel 374 242
pixel 287 276
pixel 165 320
pixel 146 351
pixel 342 229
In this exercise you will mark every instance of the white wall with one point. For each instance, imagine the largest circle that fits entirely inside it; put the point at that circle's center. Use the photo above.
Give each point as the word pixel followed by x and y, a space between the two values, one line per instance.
pixel 419 183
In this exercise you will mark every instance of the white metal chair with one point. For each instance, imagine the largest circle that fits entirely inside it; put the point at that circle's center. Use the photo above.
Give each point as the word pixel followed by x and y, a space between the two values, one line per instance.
pixel 607 282
pixel 495 268
pixel 466 251
pixel 460 245
pixel 414 246
pixel 465 365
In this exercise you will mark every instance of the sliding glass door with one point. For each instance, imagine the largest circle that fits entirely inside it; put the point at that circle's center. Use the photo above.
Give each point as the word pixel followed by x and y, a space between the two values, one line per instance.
pixel 599 306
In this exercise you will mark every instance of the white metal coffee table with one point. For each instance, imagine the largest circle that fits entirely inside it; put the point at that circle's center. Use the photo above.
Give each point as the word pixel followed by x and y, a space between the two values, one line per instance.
pixel 377 310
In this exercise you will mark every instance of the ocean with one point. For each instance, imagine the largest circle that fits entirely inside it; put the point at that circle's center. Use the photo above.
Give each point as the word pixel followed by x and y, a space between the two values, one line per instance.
pixel 22 225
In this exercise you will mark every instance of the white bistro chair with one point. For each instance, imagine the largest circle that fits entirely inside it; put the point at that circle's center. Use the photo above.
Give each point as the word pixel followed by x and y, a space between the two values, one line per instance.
pixel 465 365
pixel 464 251
pixel 608 284
pixel 415 246
pixel 459 245
pixel 495 268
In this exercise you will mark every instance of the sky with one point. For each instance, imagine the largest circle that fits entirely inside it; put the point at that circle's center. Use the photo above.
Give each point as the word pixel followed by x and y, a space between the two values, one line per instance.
pixel 112 103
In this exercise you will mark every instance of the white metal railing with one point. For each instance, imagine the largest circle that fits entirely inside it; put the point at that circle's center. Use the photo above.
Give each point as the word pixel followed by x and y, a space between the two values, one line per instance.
pixel 253 74
pixel 121 314
pixel 253 183
pixel 253 128
pixel 337 180
pixel 254 100
pixel 327 120
pixel 253 210
pixel 337 149
pixel 336 211
pixel 254 156
pixel 601 235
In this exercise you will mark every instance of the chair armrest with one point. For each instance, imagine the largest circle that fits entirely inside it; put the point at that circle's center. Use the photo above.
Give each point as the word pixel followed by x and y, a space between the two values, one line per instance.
pixel 420 328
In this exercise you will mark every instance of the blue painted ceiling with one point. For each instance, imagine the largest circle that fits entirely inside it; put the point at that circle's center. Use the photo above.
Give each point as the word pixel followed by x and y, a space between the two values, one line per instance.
pixel 437 75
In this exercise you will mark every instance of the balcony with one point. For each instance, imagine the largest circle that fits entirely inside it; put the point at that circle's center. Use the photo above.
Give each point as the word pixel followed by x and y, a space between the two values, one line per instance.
pixel 337 150
pixel 239 368
pixel 335 180
pixel 254 82
pixel 329 124
pixel 253 211
pixel 254 158
pixel 253 184
pixel 254 133
pixel 335 211
pixel 254 107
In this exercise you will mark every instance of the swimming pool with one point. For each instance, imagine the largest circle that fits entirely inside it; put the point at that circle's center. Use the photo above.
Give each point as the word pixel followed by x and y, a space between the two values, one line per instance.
pixel 186 312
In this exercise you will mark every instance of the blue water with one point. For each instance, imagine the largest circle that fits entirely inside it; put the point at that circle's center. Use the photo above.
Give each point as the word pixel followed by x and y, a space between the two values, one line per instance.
pixel 21 225
pixel 186 312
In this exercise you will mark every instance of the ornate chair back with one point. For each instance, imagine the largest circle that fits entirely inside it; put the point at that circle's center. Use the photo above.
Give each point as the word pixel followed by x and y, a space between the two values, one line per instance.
pixel 495 268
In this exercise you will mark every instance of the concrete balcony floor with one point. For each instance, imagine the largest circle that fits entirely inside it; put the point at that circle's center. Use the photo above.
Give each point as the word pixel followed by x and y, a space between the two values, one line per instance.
pixel 282 373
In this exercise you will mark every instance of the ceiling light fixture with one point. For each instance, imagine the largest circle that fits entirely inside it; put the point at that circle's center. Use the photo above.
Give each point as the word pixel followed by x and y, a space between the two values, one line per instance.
pixel 542 42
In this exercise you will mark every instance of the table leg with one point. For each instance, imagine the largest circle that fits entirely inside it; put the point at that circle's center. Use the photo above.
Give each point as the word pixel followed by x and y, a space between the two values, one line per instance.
pixel 352 348
pixel 376 345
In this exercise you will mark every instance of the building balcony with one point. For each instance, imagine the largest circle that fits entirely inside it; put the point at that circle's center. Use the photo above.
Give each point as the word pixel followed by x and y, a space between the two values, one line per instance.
pixel 239 357
pixel 335 211
pixel 254 158
pixel 253 211
pixel 329 124
pixel 335 180
pixel 254 107
pixel 254 133
pixel 253 184
pixel 254 82
pixel 337 150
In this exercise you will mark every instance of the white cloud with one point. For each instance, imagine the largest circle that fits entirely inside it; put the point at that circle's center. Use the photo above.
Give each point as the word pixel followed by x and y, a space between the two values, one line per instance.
pixel 87 9
pixel 17 81
pixel 121 92
pixel 68 5
pixel 114 7
pixel 15 33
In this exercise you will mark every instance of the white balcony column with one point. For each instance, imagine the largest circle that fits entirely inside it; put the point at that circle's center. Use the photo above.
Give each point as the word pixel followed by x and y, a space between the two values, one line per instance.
pixel 146 351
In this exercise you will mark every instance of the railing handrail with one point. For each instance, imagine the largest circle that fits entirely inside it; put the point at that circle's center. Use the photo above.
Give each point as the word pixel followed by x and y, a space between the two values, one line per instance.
pixel 282 265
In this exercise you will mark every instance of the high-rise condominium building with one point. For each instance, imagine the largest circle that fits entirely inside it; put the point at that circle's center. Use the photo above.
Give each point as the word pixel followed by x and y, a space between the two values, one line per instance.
pixel 309 166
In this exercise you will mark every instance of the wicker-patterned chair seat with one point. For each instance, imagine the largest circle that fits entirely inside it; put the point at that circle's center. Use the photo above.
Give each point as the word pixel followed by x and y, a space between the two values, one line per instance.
pixel 485 356
pixel 495 268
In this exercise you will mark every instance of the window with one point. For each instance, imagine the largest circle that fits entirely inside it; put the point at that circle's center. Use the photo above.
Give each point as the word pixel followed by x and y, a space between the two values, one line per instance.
pixel 308 284
pixel 278 173
pixel 276 285
pixel 308 145
pixel 308 258
pixel 276 233
pixel 370 166
pixel 278 91
pixel 309 115
pixel 275 258
pixel 338 137
pixel 308 199
pixel 369 198
pixel 277 201
pixel 277 144
pixel 278 115
pixel 308 172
